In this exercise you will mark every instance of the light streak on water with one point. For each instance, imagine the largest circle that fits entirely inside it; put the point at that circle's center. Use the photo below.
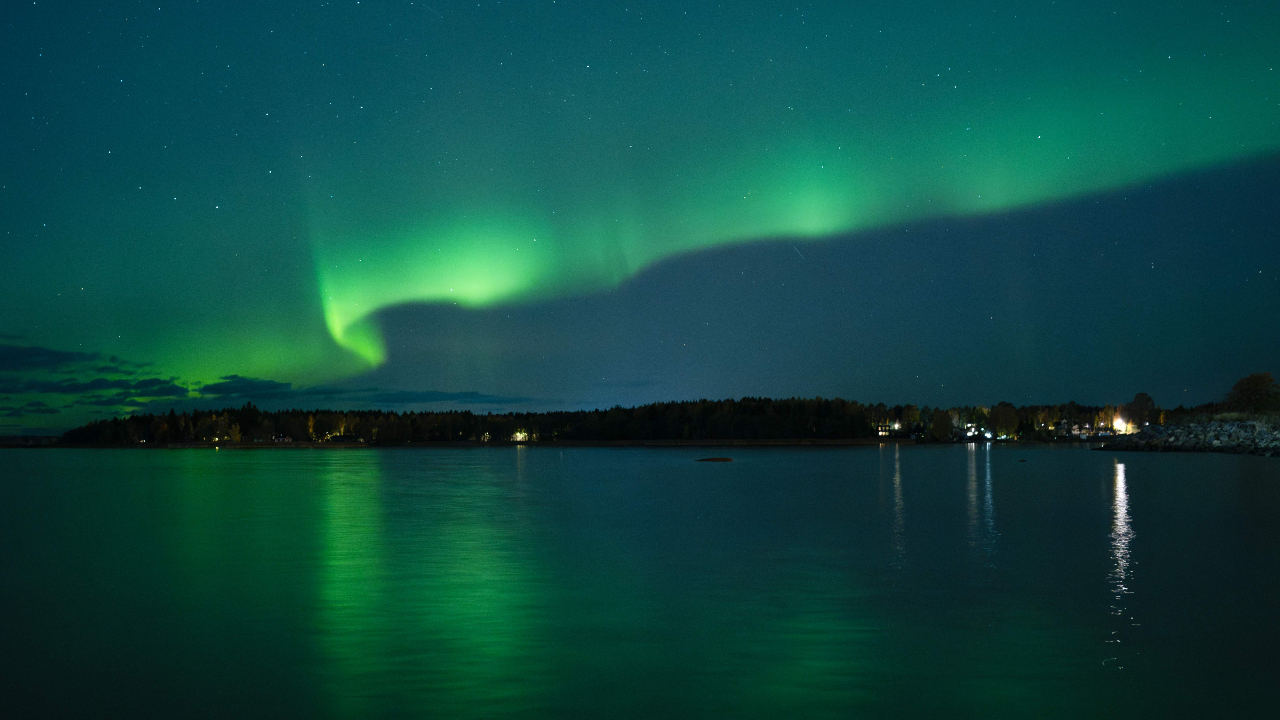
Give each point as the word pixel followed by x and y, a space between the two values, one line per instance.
pixel 899 523
pixel 989 504
pixel 972 494
pixel 982 528
pixel 1122 535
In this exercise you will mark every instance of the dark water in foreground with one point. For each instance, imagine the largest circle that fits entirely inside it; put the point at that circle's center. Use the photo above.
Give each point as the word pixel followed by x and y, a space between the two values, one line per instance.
pixel 628 582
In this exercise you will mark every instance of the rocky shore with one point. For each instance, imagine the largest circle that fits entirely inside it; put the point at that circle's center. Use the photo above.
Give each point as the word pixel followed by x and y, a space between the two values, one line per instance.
pixel 1243 438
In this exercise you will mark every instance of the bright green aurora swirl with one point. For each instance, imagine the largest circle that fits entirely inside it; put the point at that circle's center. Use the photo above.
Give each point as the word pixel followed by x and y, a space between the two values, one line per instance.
pixel 212 201
pixel 563 179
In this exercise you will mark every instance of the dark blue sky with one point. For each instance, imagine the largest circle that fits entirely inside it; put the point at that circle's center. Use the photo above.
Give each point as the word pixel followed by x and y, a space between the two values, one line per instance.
pixel 1169 289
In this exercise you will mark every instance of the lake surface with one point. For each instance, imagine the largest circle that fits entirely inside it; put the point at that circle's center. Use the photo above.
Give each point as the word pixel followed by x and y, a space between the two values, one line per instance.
pixel 959 581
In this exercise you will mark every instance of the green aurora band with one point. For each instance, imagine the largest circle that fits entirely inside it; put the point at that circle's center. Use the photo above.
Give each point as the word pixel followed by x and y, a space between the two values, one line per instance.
pixel 221 202
pixel 526 222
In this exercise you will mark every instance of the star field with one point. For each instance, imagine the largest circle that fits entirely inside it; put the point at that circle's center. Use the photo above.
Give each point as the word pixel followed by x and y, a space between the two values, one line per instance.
pixel 271 190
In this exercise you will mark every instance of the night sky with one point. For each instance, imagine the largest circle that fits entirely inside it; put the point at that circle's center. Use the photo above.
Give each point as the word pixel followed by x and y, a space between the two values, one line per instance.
pixel 538 205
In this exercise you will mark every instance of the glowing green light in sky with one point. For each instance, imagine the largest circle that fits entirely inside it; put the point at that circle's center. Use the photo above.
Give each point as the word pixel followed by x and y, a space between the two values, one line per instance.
pixel 249 204
pixel 554 223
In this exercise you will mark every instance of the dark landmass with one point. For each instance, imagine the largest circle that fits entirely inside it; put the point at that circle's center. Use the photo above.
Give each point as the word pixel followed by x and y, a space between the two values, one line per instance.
pixel 1222 434
pixel 330 445
pixel 1247 421
pixel 749 421
pixel 703 422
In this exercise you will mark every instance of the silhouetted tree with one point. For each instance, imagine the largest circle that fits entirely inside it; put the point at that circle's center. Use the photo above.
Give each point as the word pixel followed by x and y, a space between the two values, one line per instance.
pixel 940 428
pixel 910 416
pixel 1139 411
pixel 1004 420
pixel 1255 393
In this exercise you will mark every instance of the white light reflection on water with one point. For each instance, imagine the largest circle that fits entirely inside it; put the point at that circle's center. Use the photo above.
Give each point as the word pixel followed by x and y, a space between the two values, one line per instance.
pixel 899 523
pixel 972 494
pixel 982 527
pixel 1121 533
pixel 988 501
pixel 1121 538
pixel 982 521
pixel 989 533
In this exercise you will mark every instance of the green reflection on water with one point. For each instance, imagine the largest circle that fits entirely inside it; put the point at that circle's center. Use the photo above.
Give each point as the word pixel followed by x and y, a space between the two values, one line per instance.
pixel 622 582
pixel 355 632
pixel 426 597
pixel 818 657
pixel 241 525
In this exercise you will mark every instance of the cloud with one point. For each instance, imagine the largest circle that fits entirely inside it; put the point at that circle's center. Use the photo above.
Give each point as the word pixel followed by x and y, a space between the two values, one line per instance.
pixel 237 389
pixel 18 358
pixel 118 399
pixel 114 370
pixel 34 358
pixel 148 387
pixel 417 397
pixel 254 389
pixel 81 380
pixel 235 385
pixel 97 384
pixel 28 409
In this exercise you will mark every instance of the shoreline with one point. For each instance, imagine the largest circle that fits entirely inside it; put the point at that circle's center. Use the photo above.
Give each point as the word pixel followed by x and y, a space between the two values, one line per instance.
pixel 815 442
pixel 775 443
pixel 1248 437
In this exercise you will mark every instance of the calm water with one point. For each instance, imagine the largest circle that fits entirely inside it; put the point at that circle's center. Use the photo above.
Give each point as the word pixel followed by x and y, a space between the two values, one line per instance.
pixel 964 581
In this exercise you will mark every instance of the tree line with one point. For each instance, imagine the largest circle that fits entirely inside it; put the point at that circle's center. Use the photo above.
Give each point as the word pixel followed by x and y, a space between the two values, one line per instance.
pixel 745 419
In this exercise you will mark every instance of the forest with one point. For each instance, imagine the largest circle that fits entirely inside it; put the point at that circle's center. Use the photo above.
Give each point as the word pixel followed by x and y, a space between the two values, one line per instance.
pixel 746 419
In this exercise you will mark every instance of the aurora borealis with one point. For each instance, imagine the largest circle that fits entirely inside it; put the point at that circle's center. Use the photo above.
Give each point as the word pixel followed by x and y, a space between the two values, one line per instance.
pixel 400 203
